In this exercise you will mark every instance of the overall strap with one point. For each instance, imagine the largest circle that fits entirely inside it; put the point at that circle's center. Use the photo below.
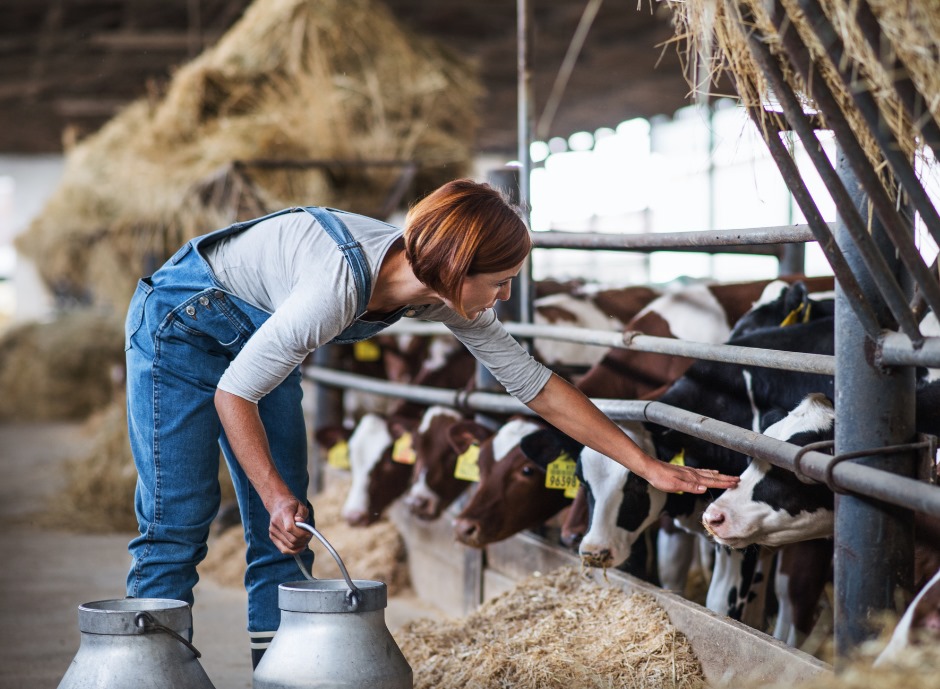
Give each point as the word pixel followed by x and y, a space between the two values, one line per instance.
pixel 352 251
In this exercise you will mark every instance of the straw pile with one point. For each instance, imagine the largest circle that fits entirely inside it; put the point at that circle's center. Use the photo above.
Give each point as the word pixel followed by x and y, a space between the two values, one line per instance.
pixel 98 496
pixel 917 667
pixel 376 552
pixel 292 80
pixel 712 41
pixel 60 370
pixel 559 630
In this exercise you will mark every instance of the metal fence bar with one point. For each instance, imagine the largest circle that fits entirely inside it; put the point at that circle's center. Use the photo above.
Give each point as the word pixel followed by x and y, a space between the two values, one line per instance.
pixel 791 176
pixel 752 240
pixel 882 485
pixel 873 260
pixel 896 349
pixel 868 107
pixel 747 356
pixel 898 228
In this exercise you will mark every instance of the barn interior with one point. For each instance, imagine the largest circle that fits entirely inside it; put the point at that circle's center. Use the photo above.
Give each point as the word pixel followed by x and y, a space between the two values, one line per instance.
pixel 635 140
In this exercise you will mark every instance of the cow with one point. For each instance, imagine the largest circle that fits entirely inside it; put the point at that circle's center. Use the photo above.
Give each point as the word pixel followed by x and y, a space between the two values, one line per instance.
pixel 701 313
pixel 920 624
pixel 606 309
pixel 700 309
pixel 623 505
pixel 436 486
pixel 379 476
pixel 511 495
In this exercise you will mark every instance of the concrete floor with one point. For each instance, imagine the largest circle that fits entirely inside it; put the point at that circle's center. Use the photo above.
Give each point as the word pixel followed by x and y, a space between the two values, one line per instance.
pixel 48 573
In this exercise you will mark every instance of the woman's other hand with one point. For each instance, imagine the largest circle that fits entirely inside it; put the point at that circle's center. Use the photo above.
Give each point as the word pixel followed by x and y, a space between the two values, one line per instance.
pixel 289 538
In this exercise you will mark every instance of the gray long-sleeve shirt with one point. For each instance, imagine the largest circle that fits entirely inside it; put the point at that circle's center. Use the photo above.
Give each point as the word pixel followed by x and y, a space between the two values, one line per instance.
pixel 290 267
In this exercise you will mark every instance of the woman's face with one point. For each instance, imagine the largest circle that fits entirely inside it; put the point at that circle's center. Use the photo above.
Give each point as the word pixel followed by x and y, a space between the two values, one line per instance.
pixel 481 291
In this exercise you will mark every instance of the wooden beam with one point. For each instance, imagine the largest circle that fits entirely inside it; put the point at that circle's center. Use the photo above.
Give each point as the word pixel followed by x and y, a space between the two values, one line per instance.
pixel 139 41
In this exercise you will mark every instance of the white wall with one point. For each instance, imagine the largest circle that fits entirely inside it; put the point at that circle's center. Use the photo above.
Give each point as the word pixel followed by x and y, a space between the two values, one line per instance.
pixel 25 184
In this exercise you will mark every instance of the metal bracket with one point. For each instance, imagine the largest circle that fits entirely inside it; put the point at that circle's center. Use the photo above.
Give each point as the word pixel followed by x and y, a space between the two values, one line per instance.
pixel 927 443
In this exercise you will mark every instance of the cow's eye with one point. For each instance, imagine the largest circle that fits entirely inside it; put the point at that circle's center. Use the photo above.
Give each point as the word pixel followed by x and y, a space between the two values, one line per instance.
pixel 527 471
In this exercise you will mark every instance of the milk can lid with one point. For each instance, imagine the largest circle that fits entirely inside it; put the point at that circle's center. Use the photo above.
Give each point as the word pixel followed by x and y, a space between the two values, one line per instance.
pixel 332 595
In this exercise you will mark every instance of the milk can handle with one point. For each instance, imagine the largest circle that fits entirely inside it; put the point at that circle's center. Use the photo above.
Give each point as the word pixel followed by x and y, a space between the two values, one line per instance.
pixel 353 596
pixel 144 620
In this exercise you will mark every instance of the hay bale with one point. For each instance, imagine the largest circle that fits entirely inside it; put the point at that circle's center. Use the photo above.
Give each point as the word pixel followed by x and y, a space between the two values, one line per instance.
pixel 64 369
pixel 292 80
pixel 376 552
pixel 98 496
pixel 559 630
pixel 712 43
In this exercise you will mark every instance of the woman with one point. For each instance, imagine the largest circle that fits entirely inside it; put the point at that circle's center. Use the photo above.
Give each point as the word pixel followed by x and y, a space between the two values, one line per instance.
pixel 215 339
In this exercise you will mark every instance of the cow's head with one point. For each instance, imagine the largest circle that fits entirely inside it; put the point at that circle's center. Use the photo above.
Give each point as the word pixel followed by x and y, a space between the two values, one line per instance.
pixel 621 504
pixel 783 304
pixel 771 506
pixel 435 486
pixel 377 480
pixel 512 495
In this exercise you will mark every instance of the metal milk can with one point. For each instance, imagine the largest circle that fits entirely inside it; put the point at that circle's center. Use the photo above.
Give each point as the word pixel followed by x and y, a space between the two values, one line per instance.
pixel 135 642
pixel 332 635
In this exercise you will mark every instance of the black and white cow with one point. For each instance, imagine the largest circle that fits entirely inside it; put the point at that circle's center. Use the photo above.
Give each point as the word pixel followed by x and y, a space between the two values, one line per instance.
pixel 919 625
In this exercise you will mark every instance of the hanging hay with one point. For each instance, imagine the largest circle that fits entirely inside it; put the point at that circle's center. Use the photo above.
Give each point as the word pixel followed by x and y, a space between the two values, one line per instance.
pixel 292 80
pixel 99 489
pixel 713 42
pixel 61 370
pixel 376 552
pixel 559 630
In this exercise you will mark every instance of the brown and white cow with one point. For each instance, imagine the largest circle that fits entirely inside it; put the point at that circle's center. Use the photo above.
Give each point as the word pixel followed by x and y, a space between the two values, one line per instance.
pixel 378 479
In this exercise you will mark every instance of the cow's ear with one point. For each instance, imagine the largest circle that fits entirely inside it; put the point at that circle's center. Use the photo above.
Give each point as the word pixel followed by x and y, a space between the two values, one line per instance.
pixel 328 436
pixel 544 446
pixel 796 298
pixel 399 425
pixel 463 434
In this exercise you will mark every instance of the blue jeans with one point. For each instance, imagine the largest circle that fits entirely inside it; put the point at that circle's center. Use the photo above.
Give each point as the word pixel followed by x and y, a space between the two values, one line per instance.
pixel 182 330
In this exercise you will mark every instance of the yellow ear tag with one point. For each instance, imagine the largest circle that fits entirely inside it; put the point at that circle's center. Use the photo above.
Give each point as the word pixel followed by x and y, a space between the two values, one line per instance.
pixel 366 350
pixel 794 316
pixel 338 455
pixel 559 474
pixel 572 491
pixel 468 464
pixel 679 460
pixel 402 452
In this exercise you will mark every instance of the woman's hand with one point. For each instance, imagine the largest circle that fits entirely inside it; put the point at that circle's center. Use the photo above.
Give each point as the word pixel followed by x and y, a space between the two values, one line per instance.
pixel 289 538
pixel 673 478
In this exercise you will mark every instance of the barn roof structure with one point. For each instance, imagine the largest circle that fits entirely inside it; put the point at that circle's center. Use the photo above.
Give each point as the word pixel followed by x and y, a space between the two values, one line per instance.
pixel 69 65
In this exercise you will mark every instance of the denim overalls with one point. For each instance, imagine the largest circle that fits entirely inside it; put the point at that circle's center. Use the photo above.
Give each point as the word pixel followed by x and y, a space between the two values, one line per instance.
pixel 181 332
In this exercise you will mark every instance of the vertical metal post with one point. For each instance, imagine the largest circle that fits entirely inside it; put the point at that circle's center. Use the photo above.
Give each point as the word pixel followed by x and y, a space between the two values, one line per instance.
pixel 328 411
pixel 873 541
pixel 792 260
pixel 526 125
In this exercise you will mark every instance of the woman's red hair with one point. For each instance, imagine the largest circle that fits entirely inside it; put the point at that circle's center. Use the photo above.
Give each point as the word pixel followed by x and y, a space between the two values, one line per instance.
pixel 463 228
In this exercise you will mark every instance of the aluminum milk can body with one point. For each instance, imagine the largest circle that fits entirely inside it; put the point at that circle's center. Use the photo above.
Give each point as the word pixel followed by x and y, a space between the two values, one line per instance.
pixel 123 645
pixel 326 641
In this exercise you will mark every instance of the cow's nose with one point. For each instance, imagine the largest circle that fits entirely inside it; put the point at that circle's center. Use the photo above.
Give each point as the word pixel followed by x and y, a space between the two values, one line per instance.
pixel 713 519
pixel 468 532
pixel 597 558
pixel 356 517
pixel 419 506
